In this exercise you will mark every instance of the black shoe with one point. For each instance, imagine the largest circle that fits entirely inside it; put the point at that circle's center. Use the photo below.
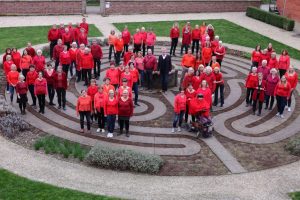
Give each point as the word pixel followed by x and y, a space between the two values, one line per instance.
pixel 174 55
pixel 221 105
pixel 120 133
pixel 270 108
pixel 215 104
pixel 266 107
pixel 136 104
pixel 258 114
pixel 253 113
pixel 247 105
pixel 59 107
pixel 40 111
pixel 52 104
pixel 78 80
pixel 127 134
pixel 43 112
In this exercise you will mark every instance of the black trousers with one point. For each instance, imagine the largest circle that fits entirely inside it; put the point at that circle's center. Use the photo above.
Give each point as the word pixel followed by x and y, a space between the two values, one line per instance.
pixel 220 61
pixel 282 72
pixel 260 104
pixel 97 67
pixel 56 64
pixel 87 115
pixel 137 48
pixel 281 103
pixel 195 44
pixel 186 116
pixel 65 68
pixel 52 44
pixel 86 75
pixel 268 101
pixel 51 93
pixel 41 100
pixel 101 118
pixel 126 47
pixel 144 49
pixel 22 102
pixel 152 49
pixel 149 78
pixel 24 72
pixel 164 80
pixel 289 102
pixel 249 95
pixel 61 97
pixel 173 46
pixel 221 87
pixel 79 75
pixel 185 47
pixel 123 122
pixel 118 57
pixel 31 90
pixel 111 49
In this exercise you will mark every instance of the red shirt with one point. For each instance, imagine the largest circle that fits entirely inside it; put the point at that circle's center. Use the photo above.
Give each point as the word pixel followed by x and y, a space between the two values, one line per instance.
pixel 13 78
pixel 219 77
pixel 127 57
pixel 126 36
pixel 49 77
pixel 87 61
pixel 96 51
pixel 125 108
pixel 85 26
pixel 196 34
pixel 84 104
pixel 179 103
pixel 122 88
pixel 150 62
pixel 214 45
pixel 284 62
pixel 7 66
pixel 220 52
pixel 256 56
pixel 60 81
pixel 144 36
pixel 186 38
pixel 137 38
pixel 99 100
pixel 282 90
pixel 113 75
pixel 65 58
pixel 73 53
pixel 31 77
pixel 119 44
pixel 53 34
pixel 292 79
pixel 251 80
pixel 187 80
pixel 67 38
pixel 39 62
pixel 92 90
pixel 190 94
pixel 210 79
pixel 82 39
pixel 111 106
pixel 25 61
pixel 57 50
pixel 21 88
pixel 128 77
pixel 206 94
pixel 264 57
pixel 271 84
pixel 16 58
pixel 135 75
pixel 150 40
pixel 174 32
pixel 30 51
pixel 196 82
pixel 40 87
pixel 206 54
pixel 197 105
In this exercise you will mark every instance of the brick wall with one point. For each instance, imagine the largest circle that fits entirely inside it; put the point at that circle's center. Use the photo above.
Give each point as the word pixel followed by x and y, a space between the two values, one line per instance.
pixel 292 8
pixel 40 7
pixel 169 6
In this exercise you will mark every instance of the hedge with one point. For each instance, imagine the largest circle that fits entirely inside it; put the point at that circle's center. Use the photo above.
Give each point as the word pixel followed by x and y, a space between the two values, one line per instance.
pixel 123 159
pixel 271 18
pixel 293 146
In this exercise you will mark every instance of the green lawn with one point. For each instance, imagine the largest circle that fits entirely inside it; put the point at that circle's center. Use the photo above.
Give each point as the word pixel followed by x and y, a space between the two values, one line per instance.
pixel 229 33
pixel 295 195
pixel 19 36
pixel 93 2
pixel 13 187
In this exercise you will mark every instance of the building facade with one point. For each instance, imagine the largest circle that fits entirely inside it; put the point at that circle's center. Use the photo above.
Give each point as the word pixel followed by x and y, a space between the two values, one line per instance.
pixel 289 8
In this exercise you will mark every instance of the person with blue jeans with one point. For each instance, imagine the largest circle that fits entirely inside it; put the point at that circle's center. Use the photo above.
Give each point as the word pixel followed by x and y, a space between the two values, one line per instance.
pixel 12 79
pixel 135 87
pixel 179 110
pixel 111 111
pixel 164 67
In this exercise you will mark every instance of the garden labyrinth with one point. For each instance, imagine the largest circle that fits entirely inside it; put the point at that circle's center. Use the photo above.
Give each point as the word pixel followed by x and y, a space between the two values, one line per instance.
pixel 242 142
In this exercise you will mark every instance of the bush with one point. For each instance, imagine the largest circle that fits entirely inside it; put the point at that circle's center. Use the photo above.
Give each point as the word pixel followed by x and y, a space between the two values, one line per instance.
pixel 123 159
pixel 271 18
pixel 293 147
pixel 12 124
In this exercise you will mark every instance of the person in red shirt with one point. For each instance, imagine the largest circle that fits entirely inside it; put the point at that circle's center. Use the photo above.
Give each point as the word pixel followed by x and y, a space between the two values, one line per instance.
pixel 99 103
pixel 174 35
pixel 67 38
pixel 12 79
pixel 273 62
pixel 86 65
pixel 124 86
pixel 53 36
pixel 210 78
pixel 188 60
pixel 84 109
pixel 111 111
pixel 7 68
pixel 270 49
pixel 250 84
pixel 283 62
pixel 220 52
pixel 196 36
pixel 179 110
pixel 61 30
pixel 137 41
pixel 259 94
pixel 125 111
pixel 214 63
pixel 16 58
pixel 206 92
pixel 40 90
pixel 111 40
pixel 30 50
pixel 91 91
pixel 127 74
pixel 150 40
pixel 186 39
pixel 76 32
pixel 72 30
pixel 73 52
pixel 39 61
pixel 211 32
pixel 82 37
pixel 79 55
pixel 7 52
pixel 65 60
pixel 49 76
pixel 198 61
pixel 219 85
pixel 135 87
pixel 84 25
pixel 21 90
pixel 292 78
pixel 196 79
pixel 126 38
pixel 214 44
pixel 32 75
pixel 113 74
pixel 256 56
pixel 25 62
pixel 203 28
pixel 128 55
pixel 282 92
pixel 143 34
pixel 206 54
pixel 199 107
pixel 188 78
pixel 150 64
pixel 56 52
pixel 264 56
pixel 97 56
pixel 271 83
pixel 107 86
pixel 61 86
pixel 118 47
pixel 190 94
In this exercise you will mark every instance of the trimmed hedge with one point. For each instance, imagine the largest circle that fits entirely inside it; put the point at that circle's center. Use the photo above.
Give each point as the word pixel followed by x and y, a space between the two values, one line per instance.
pixel 123 159
pixel 271 18
pixel 293 146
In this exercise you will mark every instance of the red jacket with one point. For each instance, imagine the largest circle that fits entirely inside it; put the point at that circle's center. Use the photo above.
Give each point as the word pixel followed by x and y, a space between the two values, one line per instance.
pixel 25 61
pixel 85 26
pixel 128 77
pixel 126 37
pixel 196 82
pixel 271 84
pixel 273 63
pixel 135 75
pixel 60 81
pixel 125 108
pixel 65 58
pixel 53 34
pixel 256 56
pixel 84 104
pixel 21 88
pixel 30 51
pixel 206 94
pixel 113 75
pixel 40 87
pixel 150 62
pixel 174 33
pixel 96 51
pixel 7 66
pixel 57 50
pixel 293 79
pixel 189 95
pixel 251 80
pixel 39 62
pixel 284 62
pixel 119 44
pixel 87 61
pixel 13 77
pixel 264 57
pixel 73 53
pixel 219 77
pixel 282 90
pixel 122 88
pixel 197 105
pixel 31 77
pixel 82 39
pixel 67 38
pixel 179 103
pixel 127 57
pixel 259 94
pixel 186 38
pixel 206 54
pixel 187 80
pixel 210 79
pixel 92 90
pixel 49 77
pixel 16 58
pixel 99 100
pixel 137 38
pixel 111 106
pixel 196 34
pixel 220 52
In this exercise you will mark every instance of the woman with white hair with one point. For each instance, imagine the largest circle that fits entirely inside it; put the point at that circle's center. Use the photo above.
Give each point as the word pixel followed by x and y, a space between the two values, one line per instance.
pixel 12 79
pixel 211 32
pixel 125 111
pixel 250 84
pixel 291 77
pixel 220 52
pixel 282 92
pixel 273 62
pixel 174 35
pixel 210 78
pixel 73 52
pixel 111 111
pixel 39 61
pixel 21 90
pixel 219 86
pixel 271 83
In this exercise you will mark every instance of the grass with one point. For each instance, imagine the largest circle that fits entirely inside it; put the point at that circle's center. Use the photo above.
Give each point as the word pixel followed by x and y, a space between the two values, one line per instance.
pixel 13 187
pixel 55 145
pixel 19 36
pixel 295 195
pixel 229 33
pixel 93 2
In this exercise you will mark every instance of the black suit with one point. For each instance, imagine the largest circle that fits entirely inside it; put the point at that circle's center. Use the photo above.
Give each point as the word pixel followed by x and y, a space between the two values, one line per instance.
pixel 164 66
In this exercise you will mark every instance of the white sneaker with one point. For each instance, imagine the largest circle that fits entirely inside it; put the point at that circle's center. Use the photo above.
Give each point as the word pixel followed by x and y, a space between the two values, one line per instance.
pixel 173 130
pixel 281 116
pixel 179 129
pixel 108 135
pixel 103 130
pixel 98 130
pixel 278 114
pixel 7 92
pixel 289 109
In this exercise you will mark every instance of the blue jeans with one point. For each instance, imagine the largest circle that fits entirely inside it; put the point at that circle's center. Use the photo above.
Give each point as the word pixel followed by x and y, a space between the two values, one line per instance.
pixel 111 120
pixel 281 103
pixel 11 92
pixel 142 77
pixel 135 88
pixel 178 117
pixel 164 80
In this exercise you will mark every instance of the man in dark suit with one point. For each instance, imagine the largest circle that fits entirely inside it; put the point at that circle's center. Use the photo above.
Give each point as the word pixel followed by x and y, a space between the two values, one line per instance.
pixel 164 68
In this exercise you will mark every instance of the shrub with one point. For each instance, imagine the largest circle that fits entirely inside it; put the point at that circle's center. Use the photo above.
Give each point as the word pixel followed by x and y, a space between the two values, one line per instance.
pixel 12 124
pixel 271 18
pixel 123 159
pixel 293 146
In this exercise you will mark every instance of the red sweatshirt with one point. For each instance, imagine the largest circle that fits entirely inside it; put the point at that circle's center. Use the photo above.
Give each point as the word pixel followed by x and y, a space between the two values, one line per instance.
pixel 49 77
pixel 284 62
pixel 82 39
pixel 210 79
pixel 206 94
pixel 40 87
pixel 60 81
pixel 179 103
pixel 39 62
pixel 73 53
pixel 99 100
pixel 87 61
pixel 111 106
pixel 251 80
pixel 57 50
pixel 16 58
pixel 84 104
pixel 292 79
pixel 190 94
pixel 21 88
pixel 127 57
pixel 85 26
pixel 196 34
pixel 67 38
pixel 92 90
pixel 7 66
pixel 128 77
pixel 96 51
pixel 31 77
pixel 282 90
pixel 13 78
pixel 65 58
pixel 126 36
pixel 125 108
pixel 197 105
pixel 174 32
pixel 273 63
pixel 53 34
pixel 256 56
pixel 113 75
